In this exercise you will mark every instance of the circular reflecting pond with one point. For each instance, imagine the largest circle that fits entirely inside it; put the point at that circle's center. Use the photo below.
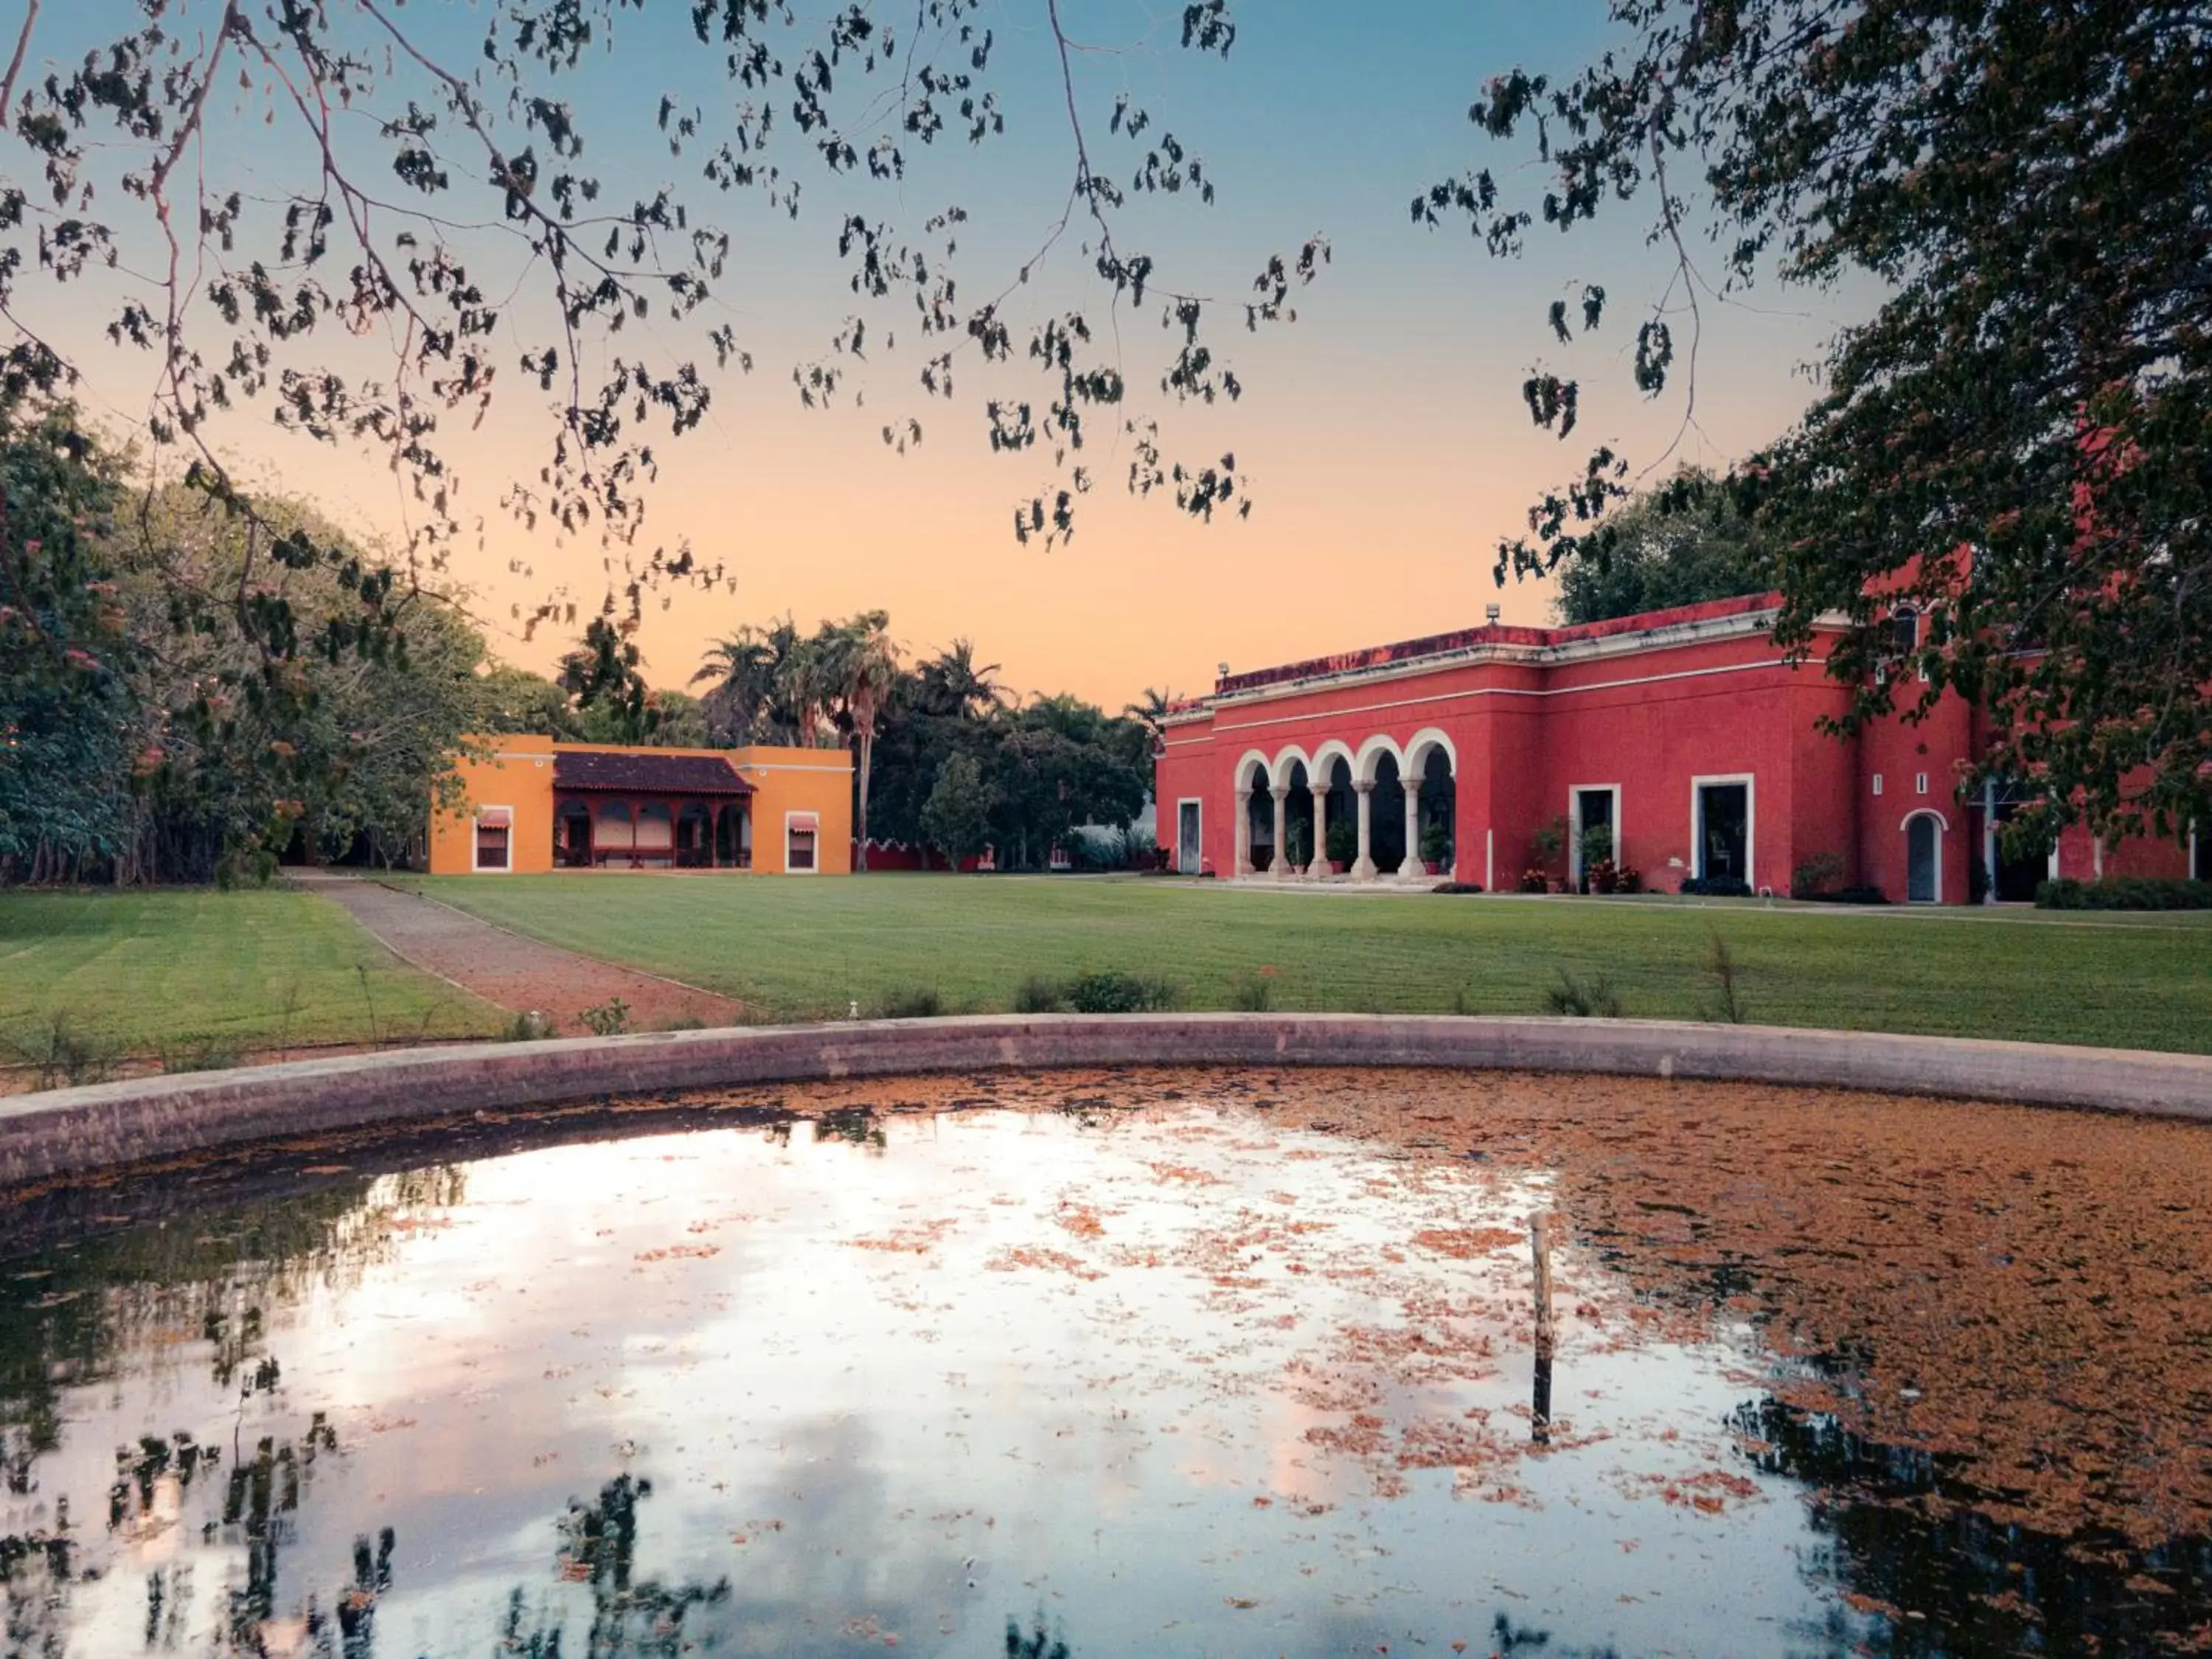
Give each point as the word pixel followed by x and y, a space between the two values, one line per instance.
pixel 1129 1363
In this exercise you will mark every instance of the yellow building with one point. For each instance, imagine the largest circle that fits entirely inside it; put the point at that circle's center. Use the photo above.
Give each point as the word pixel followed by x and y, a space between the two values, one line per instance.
pixel 531 805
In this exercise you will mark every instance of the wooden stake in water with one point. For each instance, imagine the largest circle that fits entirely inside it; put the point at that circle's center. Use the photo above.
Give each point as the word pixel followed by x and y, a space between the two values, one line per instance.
pixel 1539 1404
pixel 1539 1243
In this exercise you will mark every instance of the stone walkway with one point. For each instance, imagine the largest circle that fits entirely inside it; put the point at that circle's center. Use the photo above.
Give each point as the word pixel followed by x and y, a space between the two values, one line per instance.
pixel 509 971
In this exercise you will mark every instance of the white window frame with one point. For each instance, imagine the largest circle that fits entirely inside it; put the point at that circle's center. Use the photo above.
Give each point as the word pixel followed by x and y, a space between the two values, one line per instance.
pixel 815 869
pixel 1750 783
pixel 1877 783
pixel 1943 832
pixel 1199 863
pixel 1575 794
pixel 1919 783
pixel 475 820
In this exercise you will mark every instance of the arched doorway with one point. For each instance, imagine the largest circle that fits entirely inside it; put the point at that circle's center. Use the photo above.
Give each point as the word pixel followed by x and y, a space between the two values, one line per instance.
pixel 1298 819
pixel 1340 817
pixel 1258 809
pixel 1386 816
pixel 1924 859
pixel 1434 826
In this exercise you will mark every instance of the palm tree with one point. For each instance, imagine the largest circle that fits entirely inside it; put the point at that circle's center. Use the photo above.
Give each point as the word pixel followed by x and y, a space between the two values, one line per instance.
pixel 761 690
pixel 857 663
pixel 952 683
pixel 1152 710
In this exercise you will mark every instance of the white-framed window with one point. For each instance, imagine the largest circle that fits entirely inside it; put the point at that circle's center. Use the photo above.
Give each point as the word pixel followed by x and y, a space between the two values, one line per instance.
pixel 1919 783
pixel 802 838
pixel 492 839
pixel 1723 827
pixel 1877 783
pixel 1590 804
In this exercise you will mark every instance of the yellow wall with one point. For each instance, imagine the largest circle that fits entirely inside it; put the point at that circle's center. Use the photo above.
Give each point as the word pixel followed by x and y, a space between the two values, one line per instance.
pixel 514 772
pixel 786 781
pixel 517 772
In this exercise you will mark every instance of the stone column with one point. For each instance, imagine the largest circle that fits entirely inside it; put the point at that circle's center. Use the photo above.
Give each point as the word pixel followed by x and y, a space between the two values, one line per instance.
pixel 1411 869
pixel 1364 868
pixel 1280 864
pixel 1317 867
pixel 1243 816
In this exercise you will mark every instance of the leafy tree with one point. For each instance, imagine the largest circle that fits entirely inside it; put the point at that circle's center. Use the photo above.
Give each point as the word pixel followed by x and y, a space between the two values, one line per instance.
pixel 1059 763
pixel 1677 545
pixel 956 817
pixel 2015 440
pixel 605 673
pixel 514 699
pixel 237 753
pixel 65 651
pixel 412 211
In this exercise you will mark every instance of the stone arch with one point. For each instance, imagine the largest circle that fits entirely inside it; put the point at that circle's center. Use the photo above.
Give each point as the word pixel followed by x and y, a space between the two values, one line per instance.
pixel 1253 759
pixel 1325 756
pixel 1941 822
pixel 1417 747
pixel 1290 754
pixel 1362 765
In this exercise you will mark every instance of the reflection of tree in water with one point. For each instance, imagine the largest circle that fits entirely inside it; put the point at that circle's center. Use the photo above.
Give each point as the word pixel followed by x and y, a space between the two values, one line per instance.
pixel 1036 1644
pixel 1906 1532
pixel 72 1306
pixel 856 1124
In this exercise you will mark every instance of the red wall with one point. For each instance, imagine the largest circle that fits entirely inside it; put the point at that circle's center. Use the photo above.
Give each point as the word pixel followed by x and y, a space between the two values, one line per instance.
pixel 1649 706
pixel 1660 707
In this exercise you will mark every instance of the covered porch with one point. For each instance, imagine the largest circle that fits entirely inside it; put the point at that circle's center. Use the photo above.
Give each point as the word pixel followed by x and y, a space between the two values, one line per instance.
pixel 645 811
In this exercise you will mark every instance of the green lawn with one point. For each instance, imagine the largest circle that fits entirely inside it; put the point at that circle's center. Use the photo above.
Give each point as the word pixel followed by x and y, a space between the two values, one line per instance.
pixel 809 948
pixel 190 976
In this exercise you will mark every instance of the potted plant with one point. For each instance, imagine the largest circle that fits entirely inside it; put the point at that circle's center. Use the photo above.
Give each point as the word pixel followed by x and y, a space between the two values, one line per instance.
pixel 1436 847
pixel 1300 839
pixel 1549 841
pixel 1342 842
pixel 1597 847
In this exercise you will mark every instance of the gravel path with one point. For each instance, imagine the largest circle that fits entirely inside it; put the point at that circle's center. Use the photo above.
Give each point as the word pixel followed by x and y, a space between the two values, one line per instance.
pixel 515 973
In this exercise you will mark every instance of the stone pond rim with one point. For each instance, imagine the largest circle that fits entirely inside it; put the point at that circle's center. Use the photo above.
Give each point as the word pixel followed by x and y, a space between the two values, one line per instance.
pixel 74 1132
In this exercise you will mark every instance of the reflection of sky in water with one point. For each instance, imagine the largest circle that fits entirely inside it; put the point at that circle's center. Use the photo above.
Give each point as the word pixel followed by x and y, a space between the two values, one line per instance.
pixel 1178 1385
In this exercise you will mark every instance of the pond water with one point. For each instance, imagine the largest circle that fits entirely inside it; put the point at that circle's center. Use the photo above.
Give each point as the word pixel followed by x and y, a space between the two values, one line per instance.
pixel 1205 1377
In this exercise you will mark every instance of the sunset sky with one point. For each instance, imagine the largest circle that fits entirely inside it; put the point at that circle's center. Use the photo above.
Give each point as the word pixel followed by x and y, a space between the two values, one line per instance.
pixel 1383 432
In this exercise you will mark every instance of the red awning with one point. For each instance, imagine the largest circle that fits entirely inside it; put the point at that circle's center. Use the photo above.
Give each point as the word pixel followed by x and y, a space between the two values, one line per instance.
pixel 803 821
pixel 493 817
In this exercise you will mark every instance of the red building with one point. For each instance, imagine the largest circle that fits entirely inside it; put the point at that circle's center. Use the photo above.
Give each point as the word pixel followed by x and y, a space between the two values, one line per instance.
pixel 1685 733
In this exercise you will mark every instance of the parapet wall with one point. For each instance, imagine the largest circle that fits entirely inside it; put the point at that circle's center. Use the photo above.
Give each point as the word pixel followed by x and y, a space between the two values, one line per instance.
pixel 72 1132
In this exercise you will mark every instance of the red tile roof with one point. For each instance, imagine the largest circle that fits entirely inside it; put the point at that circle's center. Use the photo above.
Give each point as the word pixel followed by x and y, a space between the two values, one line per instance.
pixel 641 772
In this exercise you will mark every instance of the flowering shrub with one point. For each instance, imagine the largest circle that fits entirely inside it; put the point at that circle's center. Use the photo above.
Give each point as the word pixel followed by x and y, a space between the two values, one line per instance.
pixel 1534 880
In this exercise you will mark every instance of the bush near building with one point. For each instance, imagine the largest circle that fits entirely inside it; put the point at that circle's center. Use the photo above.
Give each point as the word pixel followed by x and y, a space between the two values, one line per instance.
pixel 2124 893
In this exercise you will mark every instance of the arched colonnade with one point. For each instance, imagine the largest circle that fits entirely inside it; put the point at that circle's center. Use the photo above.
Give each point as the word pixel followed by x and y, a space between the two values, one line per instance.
pixel 1397 804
